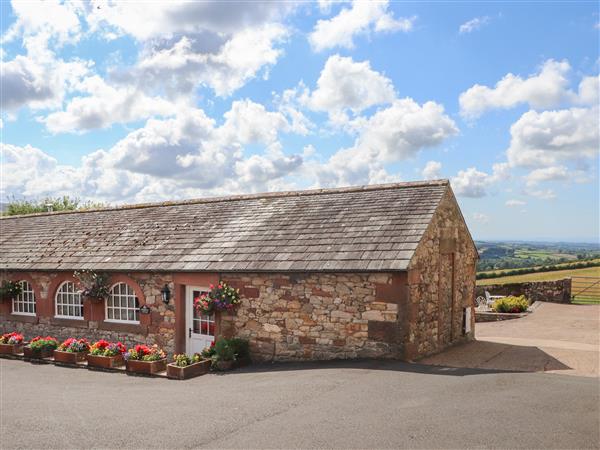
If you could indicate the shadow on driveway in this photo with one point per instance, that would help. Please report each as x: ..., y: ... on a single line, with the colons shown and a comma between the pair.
x: 457, y: 361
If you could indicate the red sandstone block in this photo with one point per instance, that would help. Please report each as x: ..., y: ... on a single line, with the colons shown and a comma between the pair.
x: 251, y: 292
x: 321, y: 293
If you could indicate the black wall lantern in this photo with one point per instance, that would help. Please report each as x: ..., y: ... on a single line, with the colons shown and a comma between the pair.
x: 166, y: 294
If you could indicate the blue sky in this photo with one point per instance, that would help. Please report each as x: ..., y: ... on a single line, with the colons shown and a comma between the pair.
x: 133, y: 102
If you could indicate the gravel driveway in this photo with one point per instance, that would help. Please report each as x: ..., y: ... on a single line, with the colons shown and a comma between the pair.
x: 358, y: 404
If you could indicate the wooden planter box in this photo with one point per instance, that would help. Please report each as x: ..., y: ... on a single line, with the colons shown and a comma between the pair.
x: 191, y: 371
x: 146, y: 367
x: 69, y: 357
x: 11, y: 349
x: 44, y: 352
x: 104, y: 362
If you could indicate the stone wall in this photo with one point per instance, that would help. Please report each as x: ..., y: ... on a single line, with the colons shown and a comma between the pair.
x: 441, y: 283
x: 158, y: 327
x: 558, y: 291
x: 317, y: 316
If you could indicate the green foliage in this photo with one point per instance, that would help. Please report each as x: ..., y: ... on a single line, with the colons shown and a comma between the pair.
x: 95, y: 285
x: 229, y: 349
x: 39, y: 343
x: 10, y: 289
x: 511, y: 304
x: 224, y: 351
x: 183, y: 360
x: 65, y: 203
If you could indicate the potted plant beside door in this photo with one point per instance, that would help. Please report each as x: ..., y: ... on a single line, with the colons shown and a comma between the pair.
x: 184, y: 366
x: 11, y: 343
x: 145, y: 360
x: 105, y: 355
x: 72, y: 351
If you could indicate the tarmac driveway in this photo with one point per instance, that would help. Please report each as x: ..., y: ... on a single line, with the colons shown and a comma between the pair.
x: 353, y: 404
x: 554, y: 338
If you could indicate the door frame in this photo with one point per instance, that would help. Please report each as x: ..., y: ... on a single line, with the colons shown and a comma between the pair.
x: 189, y: 314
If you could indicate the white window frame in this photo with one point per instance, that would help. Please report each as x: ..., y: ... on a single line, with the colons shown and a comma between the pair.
x: 121, y: 308
x: 74, y: 305
x: 20, y: 299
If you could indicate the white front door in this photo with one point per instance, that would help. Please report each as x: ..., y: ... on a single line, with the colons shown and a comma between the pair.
x: 200, y: 327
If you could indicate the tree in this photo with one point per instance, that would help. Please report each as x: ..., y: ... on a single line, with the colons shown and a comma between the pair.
x: 65, y: 203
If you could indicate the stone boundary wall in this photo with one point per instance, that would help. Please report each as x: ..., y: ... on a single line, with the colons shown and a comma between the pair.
x: 558, y: 291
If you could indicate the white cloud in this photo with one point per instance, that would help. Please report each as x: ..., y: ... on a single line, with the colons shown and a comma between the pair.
x: 361, y: 18
x: 546, y: 89
x: 553, y: 173
x: 547, y: 138
x: 471, y: 183
x: 473, y: 24
x: 588, y: 91
x: 51, y: 18
x: 104, y: 106
x: 480, y: 217
x: 185, y: 64
x: 432, y: 169
x: 149, y: 20
x: 186, y: 155
x: 514, y: 203
x: 345, y: 84
x: 38, y: 80
x: 543, y: 194
x: 390, y: 135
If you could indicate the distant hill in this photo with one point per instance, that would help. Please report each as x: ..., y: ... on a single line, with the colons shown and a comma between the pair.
x: 494, y: 255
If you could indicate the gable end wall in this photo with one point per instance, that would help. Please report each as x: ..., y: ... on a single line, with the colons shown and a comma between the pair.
x: 441, y: 282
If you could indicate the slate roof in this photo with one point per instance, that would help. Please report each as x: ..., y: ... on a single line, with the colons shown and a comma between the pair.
x: 368, y: 228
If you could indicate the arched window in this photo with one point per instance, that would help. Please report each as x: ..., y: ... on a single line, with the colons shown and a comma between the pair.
x: 68, y: 301
x: 122, y: 304
x: 24, y: 303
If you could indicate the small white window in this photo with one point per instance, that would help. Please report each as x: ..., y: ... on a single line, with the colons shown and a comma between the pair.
x: 69, y: 304
x: 122, y: 304
x: 24, y: 303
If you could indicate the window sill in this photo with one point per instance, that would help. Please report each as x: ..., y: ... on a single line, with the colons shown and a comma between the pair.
x: 69, y: 322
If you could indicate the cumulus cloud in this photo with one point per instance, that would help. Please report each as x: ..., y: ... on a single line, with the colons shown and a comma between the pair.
x: 38, y: 79
x: 181, y: 156
x: 473, y: 24
x: 149, y: 20
x: 104, y: 106
x: 181, y: 65
x: 471, y: 183
x: 389, y: 135
x: 361, y: 18
x: 348, y: 85
x: 546, y: 138
x: 514, y: 203
x: 546, y: 89
x: 432, y: 170
x: 51, y: 18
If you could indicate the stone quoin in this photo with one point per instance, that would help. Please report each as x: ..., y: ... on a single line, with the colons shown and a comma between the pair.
x: 385, y: 271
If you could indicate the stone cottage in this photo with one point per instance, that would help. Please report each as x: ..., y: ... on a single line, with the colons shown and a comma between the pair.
x: 376, y: 271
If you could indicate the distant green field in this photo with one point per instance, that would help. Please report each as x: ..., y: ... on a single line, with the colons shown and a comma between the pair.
x: 543, y: 276
x: 551, y: 276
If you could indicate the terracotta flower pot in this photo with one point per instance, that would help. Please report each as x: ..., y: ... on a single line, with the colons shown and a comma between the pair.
x: 104, y: 362
x: 69, y: 357
x: 193, y: 370
x: 146, y: 367
x: 44, y: 352
x: 11, y: 349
